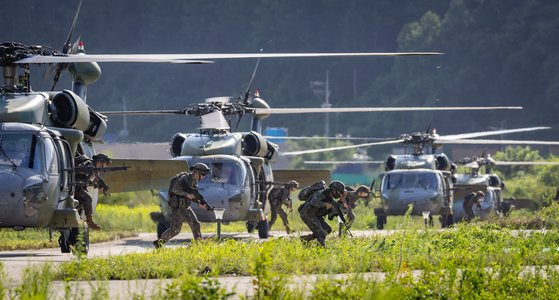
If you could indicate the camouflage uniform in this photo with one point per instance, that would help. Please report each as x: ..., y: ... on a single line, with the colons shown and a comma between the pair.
x: 350, y: 199
x: 469, y: 201
x: 180, y: 208
x: 277, y: 197
x: 85, y: 178
x: 313, y: 212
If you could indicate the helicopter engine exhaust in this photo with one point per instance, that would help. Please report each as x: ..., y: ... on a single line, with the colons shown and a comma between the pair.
x: 69, y: 110
x: 176, y: 144
x: 255, y: 144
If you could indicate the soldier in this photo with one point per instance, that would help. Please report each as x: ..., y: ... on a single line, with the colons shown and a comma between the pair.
x: 316, y: 208
x: 474, y: 198
x: 86, y: 175
x: 182, y: 191
x: 349, y: 200
x: 279, y: 196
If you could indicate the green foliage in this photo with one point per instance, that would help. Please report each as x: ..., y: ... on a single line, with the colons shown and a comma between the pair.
x: 297, y: 161
x: 545, y: 218
x: 35, y: 283
x: 518, y: 154
x: 132, y: 199
x: 465, y: 246
x: 120, y: 217
x: 190, y: 287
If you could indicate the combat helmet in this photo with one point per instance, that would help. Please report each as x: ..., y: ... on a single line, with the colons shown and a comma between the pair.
x: 337, y: 186
x: 480, y: 194
x: 102, y: 158
x: 363, y: 189
x: 293, y: 183
x: 201, y: 168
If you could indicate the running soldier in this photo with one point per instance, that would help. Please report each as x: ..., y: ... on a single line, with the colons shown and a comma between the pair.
x: 182, y: 191
x: 474, y: 198
x: 86, y: 176
x: 314, y: 210
x: 349, y: 201
x: 279, y: 196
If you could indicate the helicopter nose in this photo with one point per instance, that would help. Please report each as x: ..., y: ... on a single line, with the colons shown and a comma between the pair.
x: 10, y: 195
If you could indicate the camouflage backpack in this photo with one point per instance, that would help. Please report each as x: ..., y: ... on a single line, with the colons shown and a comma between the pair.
x: 307, y: 192
x: 174, y: 181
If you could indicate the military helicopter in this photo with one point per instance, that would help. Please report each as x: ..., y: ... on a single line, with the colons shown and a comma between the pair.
x: 42, y: 132
x: 245, y: 157
x: 424, y: 180
x: 491, y: 184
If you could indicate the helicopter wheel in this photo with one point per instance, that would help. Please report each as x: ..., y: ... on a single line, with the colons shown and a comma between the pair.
x: 162, y: 227
x: 251, y: 225
x: 77, y: 241
x: 63, y: 241
x: 381, y: 220
x: 263, y: 229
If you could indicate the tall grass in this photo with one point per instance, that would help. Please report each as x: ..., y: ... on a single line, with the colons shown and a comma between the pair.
x: 404, y: 250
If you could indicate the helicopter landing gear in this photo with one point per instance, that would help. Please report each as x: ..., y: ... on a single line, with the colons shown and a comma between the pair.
x: 381, y: 218
x: 74, y: 239
x: 263, y: 229
x: 251, y: 225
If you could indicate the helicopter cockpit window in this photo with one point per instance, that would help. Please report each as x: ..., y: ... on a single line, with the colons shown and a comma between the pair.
x: 225, y: 172
x: 51, y: 157
x: 426, y: 181
x: 19, y: 148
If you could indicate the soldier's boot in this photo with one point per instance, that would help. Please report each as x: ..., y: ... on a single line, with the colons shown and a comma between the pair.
x: 288, y: 230
x: 197, y: 235
x: 308, y: 237
x: 92, y: 225
x: 321, y: 241
x: 158, y: 243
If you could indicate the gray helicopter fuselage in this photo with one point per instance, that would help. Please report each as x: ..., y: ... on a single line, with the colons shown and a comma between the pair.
x: 419, y: 180
x: 468, y: 183
x: 423, y: 188
x: 36, y: 192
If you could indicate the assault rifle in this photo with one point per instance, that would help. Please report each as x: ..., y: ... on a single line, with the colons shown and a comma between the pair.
x: 337, y: 211
x: 200, y: 199
x: 98, y: 183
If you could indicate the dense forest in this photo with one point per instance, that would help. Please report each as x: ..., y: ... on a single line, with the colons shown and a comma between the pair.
x: 497, y: 52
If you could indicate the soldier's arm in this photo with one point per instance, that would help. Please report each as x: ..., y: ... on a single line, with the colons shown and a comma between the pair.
x: 181, y: 187
x: 316, y: 201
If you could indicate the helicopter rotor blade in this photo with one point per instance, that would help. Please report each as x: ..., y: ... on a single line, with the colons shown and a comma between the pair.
x: 340, y: 162
x: 66, y: 48
x: 326, y: 138
x: 526, y: 163
x: 293, y: 153
x: 144, y: 112
x: 101, y: 58
x: 276, y: 111
x: 489, y: 133
x: 495, y: 142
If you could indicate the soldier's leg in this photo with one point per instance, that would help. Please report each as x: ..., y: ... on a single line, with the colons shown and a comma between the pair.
x: 319, y: 230
x: 469, y: 213
x: 193, y: 222
x: 350, y: 217
x: 325, y: 226
x: 274, y: 216
x: 306, y: 219
x: 283, y: 216
x: 86, y: 202
x: 175, y: 227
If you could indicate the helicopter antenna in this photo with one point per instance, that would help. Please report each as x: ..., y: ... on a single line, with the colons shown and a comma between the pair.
x: 68, y: 46
x: 244, y: 100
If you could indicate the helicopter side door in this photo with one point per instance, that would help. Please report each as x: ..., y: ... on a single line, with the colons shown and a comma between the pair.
x: 52, y: 171
x: 66, y: 164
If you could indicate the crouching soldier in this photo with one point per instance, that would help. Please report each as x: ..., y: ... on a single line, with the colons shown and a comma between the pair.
x: 279, y: 196
x: 182, y: 191
x: 349, y: 201
x: 87, y: 175
x: 474, y: 198
x: 316, y: 208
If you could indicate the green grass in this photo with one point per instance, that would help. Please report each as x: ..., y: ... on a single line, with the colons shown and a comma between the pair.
x: 404, y: 250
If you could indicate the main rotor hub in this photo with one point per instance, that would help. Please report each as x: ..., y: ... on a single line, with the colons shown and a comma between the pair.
x: 11, y: 52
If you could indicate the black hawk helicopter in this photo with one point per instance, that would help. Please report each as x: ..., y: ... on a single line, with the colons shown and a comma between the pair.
x: 424, y: 180
x: 42, y: 132
x: 244, y: 157
x: 488, y: 182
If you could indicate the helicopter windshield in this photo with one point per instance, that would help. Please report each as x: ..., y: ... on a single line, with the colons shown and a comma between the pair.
x: 21, y: 149
x: 408, y: 180
x: 225, y: 172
